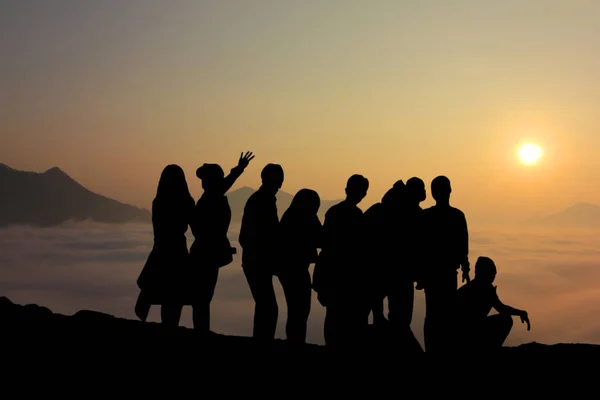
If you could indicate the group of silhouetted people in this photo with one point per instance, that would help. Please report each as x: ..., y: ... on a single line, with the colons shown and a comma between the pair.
x: 388, y: 251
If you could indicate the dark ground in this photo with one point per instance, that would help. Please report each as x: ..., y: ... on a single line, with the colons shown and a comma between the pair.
x: 90, y: 341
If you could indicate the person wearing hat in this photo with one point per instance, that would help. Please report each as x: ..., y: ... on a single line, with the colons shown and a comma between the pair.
x: 211, y: 249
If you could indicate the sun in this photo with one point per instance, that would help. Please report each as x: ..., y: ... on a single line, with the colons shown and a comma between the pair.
x: 530, y: 153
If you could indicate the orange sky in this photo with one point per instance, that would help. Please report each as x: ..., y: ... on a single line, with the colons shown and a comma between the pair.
x: 112, y: 92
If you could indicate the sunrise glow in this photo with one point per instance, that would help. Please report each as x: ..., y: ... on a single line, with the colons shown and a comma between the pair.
x: 530, y: 153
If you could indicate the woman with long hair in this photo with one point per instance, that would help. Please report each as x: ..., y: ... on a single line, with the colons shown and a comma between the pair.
x: 163, y: 278
x: 211, y: 249
x: 300, y: 230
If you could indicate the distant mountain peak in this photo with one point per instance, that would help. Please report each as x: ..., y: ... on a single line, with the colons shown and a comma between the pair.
x: 53, y: 197
x: 245, y: 189
x: 4, y: 166
x: 578, y: 214
x: 583, y: 205
x: 55, y: 170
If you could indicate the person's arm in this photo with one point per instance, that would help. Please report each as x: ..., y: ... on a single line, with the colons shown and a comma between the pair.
x: 318, y: 233
x: 464, y: 247
x: 195, y: 223
x: 236, y: 171
x: 247, y: 237
x: 508, y: 310
x: 320, y: 274
x: 326, y: 232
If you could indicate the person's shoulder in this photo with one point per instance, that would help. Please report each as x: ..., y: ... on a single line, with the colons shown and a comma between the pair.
x: 334, y: 209
x: 428, y: 212
x: 458, y: 212
x: 314, y: 221
x: 252, y: 198
x: 465, y: 288
x: 373, y: 209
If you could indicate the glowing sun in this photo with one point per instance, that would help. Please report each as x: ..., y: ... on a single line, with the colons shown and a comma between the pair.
x: 530, y: 153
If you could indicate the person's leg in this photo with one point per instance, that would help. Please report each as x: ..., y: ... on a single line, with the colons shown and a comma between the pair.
x: 207, y: 282
x: 430, y: 328
x: 401, y: 302
x: 290, y: 290
x: 448, y: 320
x: 298, y: 293
x: 331, y: 323
x: 352, y: 319
x: 170, y: 314
x: 497, y: 328
x: 265, y: 302
x: 376, y: 307
x: 142, y: 306
x: 440, y: 294
x: 305, y: 303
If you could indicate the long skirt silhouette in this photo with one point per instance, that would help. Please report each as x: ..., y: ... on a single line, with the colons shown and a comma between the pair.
x: 164, y: 281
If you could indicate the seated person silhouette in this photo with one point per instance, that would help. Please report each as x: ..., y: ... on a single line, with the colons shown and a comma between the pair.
x: 474, y: 301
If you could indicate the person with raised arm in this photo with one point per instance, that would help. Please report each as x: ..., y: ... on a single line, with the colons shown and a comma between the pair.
x: 211, y: 249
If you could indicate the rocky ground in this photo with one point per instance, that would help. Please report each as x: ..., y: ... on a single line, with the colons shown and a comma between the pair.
x: 33, y: 334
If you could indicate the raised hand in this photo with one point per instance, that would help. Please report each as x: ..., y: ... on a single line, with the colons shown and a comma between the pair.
x: 245, y: 159
x: 465, y: 276
x: 525, y: 319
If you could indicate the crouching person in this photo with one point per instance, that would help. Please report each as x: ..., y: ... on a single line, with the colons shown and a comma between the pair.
x: 478, y: 330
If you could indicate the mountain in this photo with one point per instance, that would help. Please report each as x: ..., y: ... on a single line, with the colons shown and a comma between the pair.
x: 584, y: 215
x: 237, y: 200
x: 53, y: 197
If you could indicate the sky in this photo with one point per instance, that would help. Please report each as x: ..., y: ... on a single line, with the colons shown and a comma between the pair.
x: 112, y: 91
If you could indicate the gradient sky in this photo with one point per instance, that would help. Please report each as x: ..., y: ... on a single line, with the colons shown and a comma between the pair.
x: 111, y: 91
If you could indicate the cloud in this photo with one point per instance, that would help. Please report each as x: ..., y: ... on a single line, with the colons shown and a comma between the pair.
x: 553, y: 275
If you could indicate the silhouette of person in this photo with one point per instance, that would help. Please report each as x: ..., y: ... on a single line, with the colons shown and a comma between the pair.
x: 381, y: 226
x: 337, y: 278
x: 163, y: 277
x: 211, y: 249
x: 259, y: 236
x: 476, y: 329
x: 401, y: 298
x: 300, y: 233
x: 446, y: 250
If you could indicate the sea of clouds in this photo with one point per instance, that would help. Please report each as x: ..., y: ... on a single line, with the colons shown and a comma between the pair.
x: 554, y: 275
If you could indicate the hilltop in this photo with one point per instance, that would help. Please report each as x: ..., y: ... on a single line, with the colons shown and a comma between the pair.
x: 26, y: 322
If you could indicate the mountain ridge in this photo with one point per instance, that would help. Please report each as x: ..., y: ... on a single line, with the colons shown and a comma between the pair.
x: 53, y: 197
x: 580, y: 214
x: 44, y: 199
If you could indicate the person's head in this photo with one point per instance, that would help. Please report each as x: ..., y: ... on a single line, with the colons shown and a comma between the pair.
x: 211, y: 175
x: 272, y: 177
x: 305, y: 202
x: 441, y: 189
x: 415, y: 188
x: 172, y: 184
x: 356, y: 188
x: 395, y: 195
x: 485, y: 270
